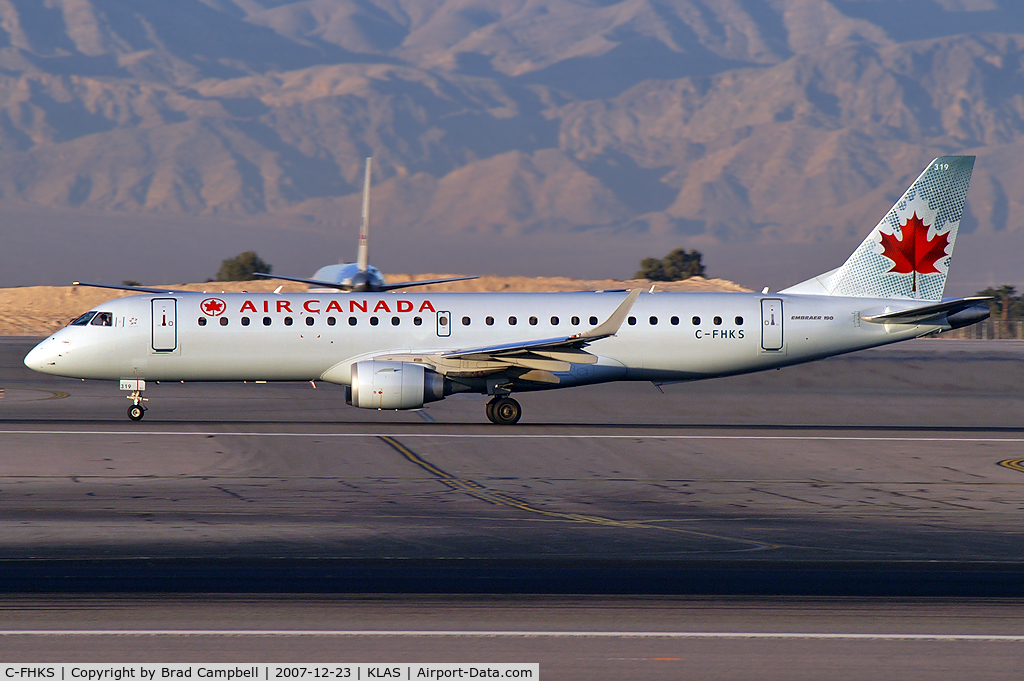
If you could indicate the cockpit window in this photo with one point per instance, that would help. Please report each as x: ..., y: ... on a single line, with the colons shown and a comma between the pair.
x: 84, y: 319
x: 103, y: 319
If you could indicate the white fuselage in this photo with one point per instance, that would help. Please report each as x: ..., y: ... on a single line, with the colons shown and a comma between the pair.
x: 319, y: 336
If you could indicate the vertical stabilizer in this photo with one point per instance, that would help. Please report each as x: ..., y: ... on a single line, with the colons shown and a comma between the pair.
x: 362, y: 257
x: 907, y: 254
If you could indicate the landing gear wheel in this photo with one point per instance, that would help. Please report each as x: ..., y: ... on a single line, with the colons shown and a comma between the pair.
x: 504, y: 411
x: 136, y: 412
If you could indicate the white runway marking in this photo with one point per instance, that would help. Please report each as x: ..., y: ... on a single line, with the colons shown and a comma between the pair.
x: 811, y: 636
x: 501, y: 436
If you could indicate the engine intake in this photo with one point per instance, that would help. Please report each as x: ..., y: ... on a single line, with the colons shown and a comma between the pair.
x: 393, y: 385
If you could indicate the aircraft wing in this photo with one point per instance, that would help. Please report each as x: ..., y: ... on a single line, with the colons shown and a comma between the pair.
x: 347, y: 287
x: 425, y: 282
x: 311, y: 282
x: 920, y: 314
x: 124, y: 287
x: 534, y: 360
x: 564, y: 348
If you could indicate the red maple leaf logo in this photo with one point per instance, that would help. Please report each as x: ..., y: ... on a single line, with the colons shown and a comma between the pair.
x: 914, y: 253
x: 213, y: 307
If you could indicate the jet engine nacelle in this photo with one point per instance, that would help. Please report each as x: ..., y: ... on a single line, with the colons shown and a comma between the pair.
x: 393, y: 385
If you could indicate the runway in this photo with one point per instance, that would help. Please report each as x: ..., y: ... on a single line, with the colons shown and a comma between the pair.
x: 894, y: 473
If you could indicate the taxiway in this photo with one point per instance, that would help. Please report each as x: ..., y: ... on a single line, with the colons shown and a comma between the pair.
x: 896, y: 472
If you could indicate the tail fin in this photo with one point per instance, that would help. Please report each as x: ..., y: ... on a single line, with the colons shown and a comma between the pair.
x: 907, y: 254
x: 363, y: 255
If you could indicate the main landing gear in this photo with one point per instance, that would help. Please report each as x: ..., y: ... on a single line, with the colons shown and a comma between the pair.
x: 504, y: 411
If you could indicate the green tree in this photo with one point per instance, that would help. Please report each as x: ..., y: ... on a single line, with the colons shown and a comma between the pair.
x: 242, y: 266
x: 678, y: 265
x: 1005, y: 304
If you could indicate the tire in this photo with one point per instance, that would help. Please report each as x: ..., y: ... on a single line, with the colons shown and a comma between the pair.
x: 506, y: 411
x: 136, y: 412
x: 489, y: 408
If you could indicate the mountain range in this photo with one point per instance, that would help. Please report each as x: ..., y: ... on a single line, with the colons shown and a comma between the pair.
x: 151, y: 138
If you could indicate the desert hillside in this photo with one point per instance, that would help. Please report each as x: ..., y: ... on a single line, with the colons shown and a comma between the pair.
x: 649, y: 124
x: 41, y: 310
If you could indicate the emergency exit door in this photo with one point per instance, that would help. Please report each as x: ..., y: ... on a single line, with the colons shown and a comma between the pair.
x: 771, y: 324
x: 444, y: 324
x: 165, y: 329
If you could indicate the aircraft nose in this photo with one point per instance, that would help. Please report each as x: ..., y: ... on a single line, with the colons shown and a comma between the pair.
x: 43, y: 357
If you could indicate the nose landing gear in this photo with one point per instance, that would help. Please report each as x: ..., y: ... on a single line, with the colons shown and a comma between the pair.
x: 504, y: 411
x: 137, y: 410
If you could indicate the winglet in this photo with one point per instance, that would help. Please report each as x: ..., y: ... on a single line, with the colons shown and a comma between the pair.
x: 611, y: 325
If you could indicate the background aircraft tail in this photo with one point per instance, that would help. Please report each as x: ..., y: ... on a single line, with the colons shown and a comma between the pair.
x: 907, y: 254
x: 363, y: 254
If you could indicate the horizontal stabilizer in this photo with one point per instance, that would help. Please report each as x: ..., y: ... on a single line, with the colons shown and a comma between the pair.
x: 928, y: 312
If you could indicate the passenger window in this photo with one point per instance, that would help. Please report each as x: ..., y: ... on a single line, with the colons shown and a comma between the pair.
x: 202, y: 321
x: 373, y: 321
x: 331, y: 321
x: 512, y: 321
x: 395, y: 321
x: 310, y: 321
x: 739, y: 321
x: 288, y: 321
x: 554, y: 321
x: 575, y: 321
x: 718, y: 321
x: 103, y: 319
x: 84, y: 319
x: 267, y: 321
x: 675, y: 321
x: 533, y: 321
x: 593, y: 321
x: 696, y: 321
x: 352, y: 321
x: 465, y: 321
x: 654, y: 321
x: 489, y: 321
x: 245, y: 321
x: 417, y: 321
x: 223, y: 321
x: 632, y: 321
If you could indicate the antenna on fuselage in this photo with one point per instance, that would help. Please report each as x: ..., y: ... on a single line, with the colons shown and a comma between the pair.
x: 362, y: 257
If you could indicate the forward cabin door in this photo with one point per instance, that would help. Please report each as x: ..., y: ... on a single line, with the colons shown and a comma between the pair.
x: 165, y: 329
x: 771, y: 324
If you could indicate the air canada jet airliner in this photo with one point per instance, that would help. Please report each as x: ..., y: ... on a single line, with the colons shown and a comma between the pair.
x: 403, y: 350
